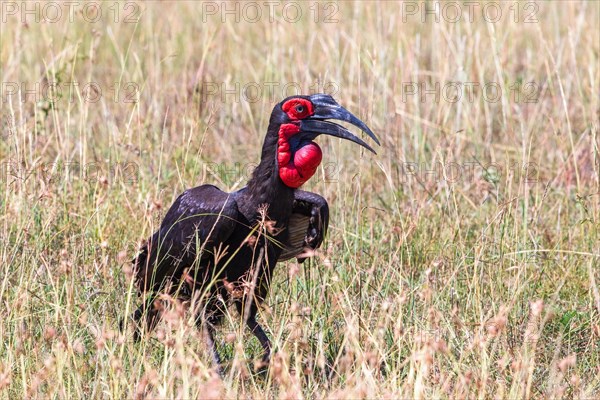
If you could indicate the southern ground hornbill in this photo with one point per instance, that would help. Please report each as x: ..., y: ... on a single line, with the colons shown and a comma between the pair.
x: 214, y: 246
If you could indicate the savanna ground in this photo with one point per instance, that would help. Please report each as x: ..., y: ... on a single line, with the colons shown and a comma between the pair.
x: 462, y: 260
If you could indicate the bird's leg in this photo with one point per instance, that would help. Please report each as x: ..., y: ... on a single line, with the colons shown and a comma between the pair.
x: 209, y: 331
x: 257, y: 331
x: 260, y: 334
x: 206, y: 318
x: 248, y: 307
x: 151, y: 314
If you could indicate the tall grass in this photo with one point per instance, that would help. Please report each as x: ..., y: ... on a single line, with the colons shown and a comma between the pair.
x: 462, y: 260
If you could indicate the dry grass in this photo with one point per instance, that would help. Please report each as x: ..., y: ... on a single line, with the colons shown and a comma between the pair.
x: 457, y: 282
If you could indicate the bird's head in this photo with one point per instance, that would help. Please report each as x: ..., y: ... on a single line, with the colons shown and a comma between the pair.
x: 300, y: 119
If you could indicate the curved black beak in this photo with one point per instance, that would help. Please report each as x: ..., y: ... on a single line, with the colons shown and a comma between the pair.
x: 327, y: 108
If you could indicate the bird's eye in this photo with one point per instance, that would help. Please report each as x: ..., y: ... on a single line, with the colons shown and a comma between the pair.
x: 300, y: 108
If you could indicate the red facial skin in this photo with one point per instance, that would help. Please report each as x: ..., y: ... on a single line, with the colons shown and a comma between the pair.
x: 294, y: 172
x: 298, y: 108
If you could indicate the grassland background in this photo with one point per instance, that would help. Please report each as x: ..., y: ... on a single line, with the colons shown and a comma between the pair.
x: 427, y: 286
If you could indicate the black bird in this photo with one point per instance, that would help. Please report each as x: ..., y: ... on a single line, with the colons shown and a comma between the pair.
x: 219, y: 246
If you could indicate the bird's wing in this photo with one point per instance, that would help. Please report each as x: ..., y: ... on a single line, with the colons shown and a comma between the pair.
x: 198, y: 220
x: 307, y: 226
